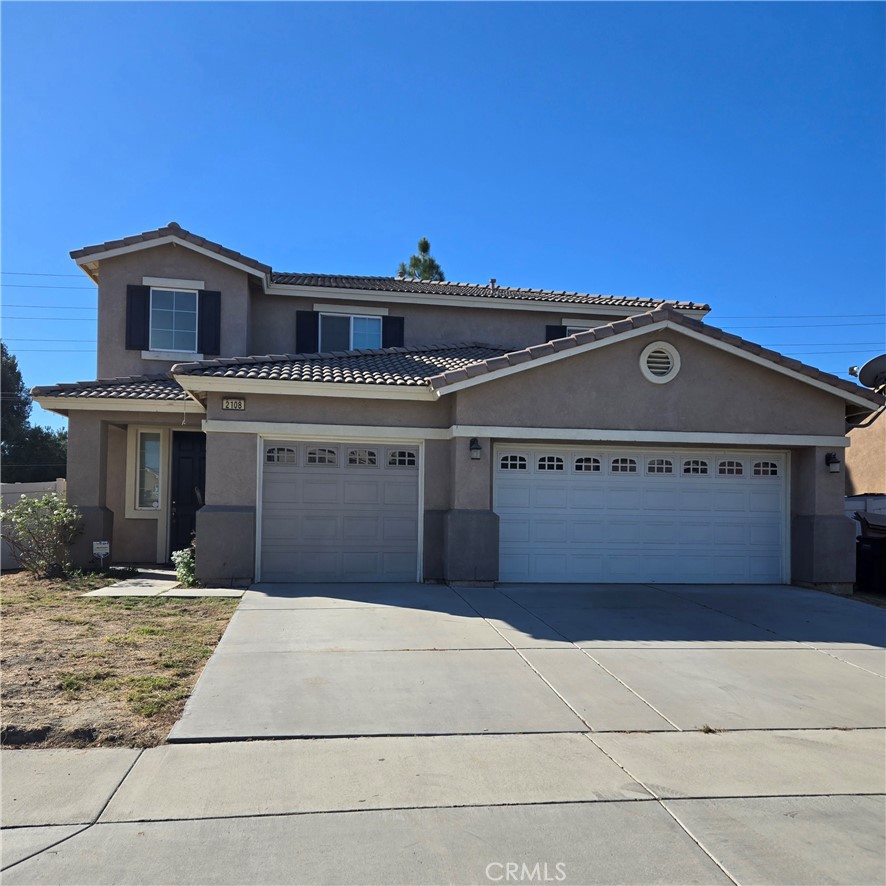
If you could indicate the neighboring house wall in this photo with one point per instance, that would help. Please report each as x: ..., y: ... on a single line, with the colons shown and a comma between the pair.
x: 866, y: 459
x: 11, y: 493
x: 170, y: 262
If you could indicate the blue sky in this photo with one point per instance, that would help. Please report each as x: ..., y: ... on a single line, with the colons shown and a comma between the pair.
x: 726, y: 153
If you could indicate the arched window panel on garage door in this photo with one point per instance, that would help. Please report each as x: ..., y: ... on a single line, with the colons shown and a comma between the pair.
x: 512, y: 463
x: 284, y: 455
x: 587, y: 464
x: 402, y: 458
x: 321, y: 455
x: 363, y: 458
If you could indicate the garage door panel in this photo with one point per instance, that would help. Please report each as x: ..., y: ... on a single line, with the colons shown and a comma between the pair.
x: 636, y: 527
x: 320, y: 492
x: 550, y: 497
x: 550, y: 531
x: 363, y: 493
x: 348, y: 520
x: 401, y: 493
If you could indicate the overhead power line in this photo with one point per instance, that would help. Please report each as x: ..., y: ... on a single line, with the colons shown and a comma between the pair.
x: 36, y: 274
x: 43, y: 286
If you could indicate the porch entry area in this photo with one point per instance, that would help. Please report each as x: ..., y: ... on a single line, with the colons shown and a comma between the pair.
x: 187, y: 485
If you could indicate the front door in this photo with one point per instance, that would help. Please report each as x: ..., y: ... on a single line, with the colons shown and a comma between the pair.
x: 187, y: 485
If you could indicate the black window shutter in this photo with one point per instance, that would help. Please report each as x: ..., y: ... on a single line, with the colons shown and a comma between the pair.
x: 552, y: 332
x: 392, y: 332
x: 138, y: 318
x: 307, y: 332
x: 209, y: 323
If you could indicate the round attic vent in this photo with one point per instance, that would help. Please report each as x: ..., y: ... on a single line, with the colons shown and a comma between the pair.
x: 659, y: 362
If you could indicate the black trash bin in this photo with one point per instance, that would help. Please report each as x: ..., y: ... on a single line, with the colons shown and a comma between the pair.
x: 870, y: 565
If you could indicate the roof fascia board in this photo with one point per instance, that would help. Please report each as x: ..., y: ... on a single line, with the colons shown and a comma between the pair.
x: 193, y: 383
x: 165, y: 241
x: 657, y: 327
x: 462, y: 301
x: 118, y: 404
x: 607, y: 435
x: 551, y: 358
x: 369, y: 433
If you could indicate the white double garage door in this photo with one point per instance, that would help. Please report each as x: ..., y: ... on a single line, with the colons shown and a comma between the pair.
x: 600, y: 514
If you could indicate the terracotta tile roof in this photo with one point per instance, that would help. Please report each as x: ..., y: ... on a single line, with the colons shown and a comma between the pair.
x: 383, y: 366
x: 133, y: 387
x: 173, y: 229
x: 599, y: 333
x: 388, y: 284
x: 476, y: 290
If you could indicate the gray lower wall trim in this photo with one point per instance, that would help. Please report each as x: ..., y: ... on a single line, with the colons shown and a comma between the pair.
x: 433, y: 553
x: 471, y: 546
x: 822, y: 549
x: 226, y: 545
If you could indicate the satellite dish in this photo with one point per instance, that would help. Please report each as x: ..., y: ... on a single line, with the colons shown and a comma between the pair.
x: 873, y: 373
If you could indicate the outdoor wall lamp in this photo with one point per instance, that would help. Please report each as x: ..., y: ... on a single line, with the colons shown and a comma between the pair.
x: 832, y: 462
x: 476, y: 448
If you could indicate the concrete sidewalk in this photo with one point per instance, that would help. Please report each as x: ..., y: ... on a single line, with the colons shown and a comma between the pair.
x: 757, y: 807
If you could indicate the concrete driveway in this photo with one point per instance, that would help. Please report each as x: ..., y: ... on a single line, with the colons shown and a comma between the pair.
x: 592, y: 734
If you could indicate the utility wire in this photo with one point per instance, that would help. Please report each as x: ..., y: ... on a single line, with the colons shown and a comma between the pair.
x: 65, y: 307
x: 36, y: 274
x: 43, y: 286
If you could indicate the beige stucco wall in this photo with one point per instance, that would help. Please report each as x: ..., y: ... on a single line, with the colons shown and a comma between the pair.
x: 173, y: 262
x: 866, y: 459
x: 273, y: 322
x: 333, y: 410
x: 604, y: 388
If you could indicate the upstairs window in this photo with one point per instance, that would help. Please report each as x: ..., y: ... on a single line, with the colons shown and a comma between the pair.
x: 343, y: 332
x: 173, y: 320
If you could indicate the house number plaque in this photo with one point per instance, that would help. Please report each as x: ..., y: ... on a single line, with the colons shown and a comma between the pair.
x: 236, y: 403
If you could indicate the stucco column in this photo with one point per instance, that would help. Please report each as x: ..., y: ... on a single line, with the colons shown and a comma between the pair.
x: 87, y: 477
x: 822, y: 536
x: 471, y: 527
x: 226, y: 522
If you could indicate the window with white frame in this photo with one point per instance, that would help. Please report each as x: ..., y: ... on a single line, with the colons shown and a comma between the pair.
x: 362, y: 457
x: 765, y: 469
x: 587, y: 464
x: 320, y: 456
x: 344, y: 332
x: 173, y: 320
x: 730, y: 468
x: 695, y: 466
x: 281, y: 455
x: 659, y: 466
x: 551, y: 463
x: 624, y: 466
x: 148, y: 471
x: 513, y: 463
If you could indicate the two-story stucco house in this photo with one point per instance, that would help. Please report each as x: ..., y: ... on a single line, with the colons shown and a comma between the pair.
x: 330, y: 428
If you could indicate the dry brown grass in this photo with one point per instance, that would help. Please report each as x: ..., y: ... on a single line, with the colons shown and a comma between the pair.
x: 92, y: 671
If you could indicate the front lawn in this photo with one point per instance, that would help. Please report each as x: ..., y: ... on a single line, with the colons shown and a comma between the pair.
x: 98, y: 671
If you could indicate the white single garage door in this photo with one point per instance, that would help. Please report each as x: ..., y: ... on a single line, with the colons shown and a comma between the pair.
x: 596, y: 514
x: 339, y: 512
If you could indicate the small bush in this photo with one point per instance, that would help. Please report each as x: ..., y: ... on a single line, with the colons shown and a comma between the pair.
x: 185, y: 567
x: 41, y: 531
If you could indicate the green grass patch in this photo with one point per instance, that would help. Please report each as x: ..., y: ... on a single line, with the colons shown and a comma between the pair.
x: 75, y: 682
x: 148, y: 696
